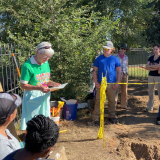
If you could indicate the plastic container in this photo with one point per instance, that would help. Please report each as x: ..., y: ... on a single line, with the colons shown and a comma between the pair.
x: 54, y: 104
x: 56, y: 120
x: 71, y: 101
x: 70, y: 110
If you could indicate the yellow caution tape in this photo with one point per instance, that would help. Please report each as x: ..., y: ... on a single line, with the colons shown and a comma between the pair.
x: 136, y: 83
x: 20, y: 142
x: 102, y: 100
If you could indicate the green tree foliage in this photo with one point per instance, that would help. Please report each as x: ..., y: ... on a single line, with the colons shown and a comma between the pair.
x: 131, y: 16
x: 131, y: 23
x: 76, y: 33
x: 152, y: 33
x: 77, y: 30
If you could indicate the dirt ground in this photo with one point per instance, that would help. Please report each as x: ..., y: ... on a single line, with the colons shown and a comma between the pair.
x: 136, y: 137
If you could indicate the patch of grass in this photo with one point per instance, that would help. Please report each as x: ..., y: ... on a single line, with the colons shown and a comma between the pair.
x: 17, y: 126
x: 137, y: 72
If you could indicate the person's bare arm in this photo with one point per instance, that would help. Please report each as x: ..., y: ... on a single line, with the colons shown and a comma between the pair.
x: 118, y: 69
x: 31, y: 87
x: 95, y: 69
x: 152, y: 67
x: 54, y: 84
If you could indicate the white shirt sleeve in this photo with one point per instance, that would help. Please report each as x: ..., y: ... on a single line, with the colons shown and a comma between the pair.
x: 23, y: 82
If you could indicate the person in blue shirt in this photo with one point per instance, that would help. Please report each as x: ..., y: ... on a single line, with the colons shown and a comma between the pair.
x: 42, y: 134
x: 109, y: 65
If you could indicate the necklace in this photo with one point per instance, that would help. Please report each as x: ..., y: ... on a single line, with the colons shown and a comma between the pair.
x: 156, y: 57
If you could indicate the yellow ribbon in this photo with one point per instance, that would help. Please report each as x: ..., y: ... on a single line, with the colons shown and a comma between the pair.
x: 63, y: 131
x: 20, y: 142
x: 102, y: 100
x: 137, y: 83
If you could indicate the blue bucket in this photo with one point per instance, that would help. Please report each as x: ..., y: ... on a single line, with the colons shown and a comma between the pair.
x: 70, y: 112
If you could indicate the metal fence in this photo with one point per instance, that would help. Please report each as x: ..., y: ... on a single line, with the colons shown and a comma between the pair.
x: 8, y: 74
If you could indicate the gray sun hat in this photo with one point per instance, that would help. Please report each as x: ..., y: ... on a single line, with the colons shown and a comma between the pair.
x: 8, y: 104
x: 108, y: 45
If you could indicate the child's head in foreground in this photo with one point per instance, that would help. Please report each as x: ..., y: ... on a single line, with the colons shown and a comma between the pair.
x: 42, y: 134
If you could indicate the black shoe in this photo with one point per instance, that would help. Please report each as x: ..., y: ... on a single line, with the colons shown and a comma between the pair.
x: 113, y: 120
x: 158, y: 121
x: 118, y: 102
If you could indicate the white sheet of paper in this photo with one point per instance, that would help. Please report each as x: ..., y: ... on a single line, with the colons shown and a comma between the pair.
x: 59, y: 87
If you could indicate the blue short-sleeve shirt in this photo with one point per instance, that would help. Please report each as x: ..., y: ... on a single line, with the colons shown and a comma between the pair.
x: 108, y: 64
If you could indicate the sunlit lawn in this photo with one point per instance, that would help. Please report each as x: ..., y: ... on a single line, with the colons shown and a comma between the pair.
x: 137, y: 72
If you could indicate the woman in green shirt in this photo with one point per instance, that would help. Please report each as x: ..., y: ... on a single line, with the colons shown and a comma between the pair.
x: 35, y: 79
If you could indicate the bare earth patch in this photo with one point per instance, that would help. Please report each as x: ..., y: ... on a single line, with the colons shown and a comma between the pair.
x: 136, y: 137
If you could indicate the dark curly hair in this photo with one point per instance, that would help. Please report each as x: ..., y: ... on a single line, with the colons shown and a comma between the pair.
x: 42, y: 133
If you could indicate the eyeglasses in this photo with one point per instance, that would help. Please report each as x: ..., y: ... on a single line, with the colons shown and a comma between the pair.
x: 123, y: 49
x: 44, y: 56
x: 106, y: 49
x: 46, y: 47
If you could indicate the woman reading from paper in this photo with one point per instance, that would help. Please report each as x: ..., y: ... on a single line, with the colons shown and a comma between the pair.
x: 35, y: 79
